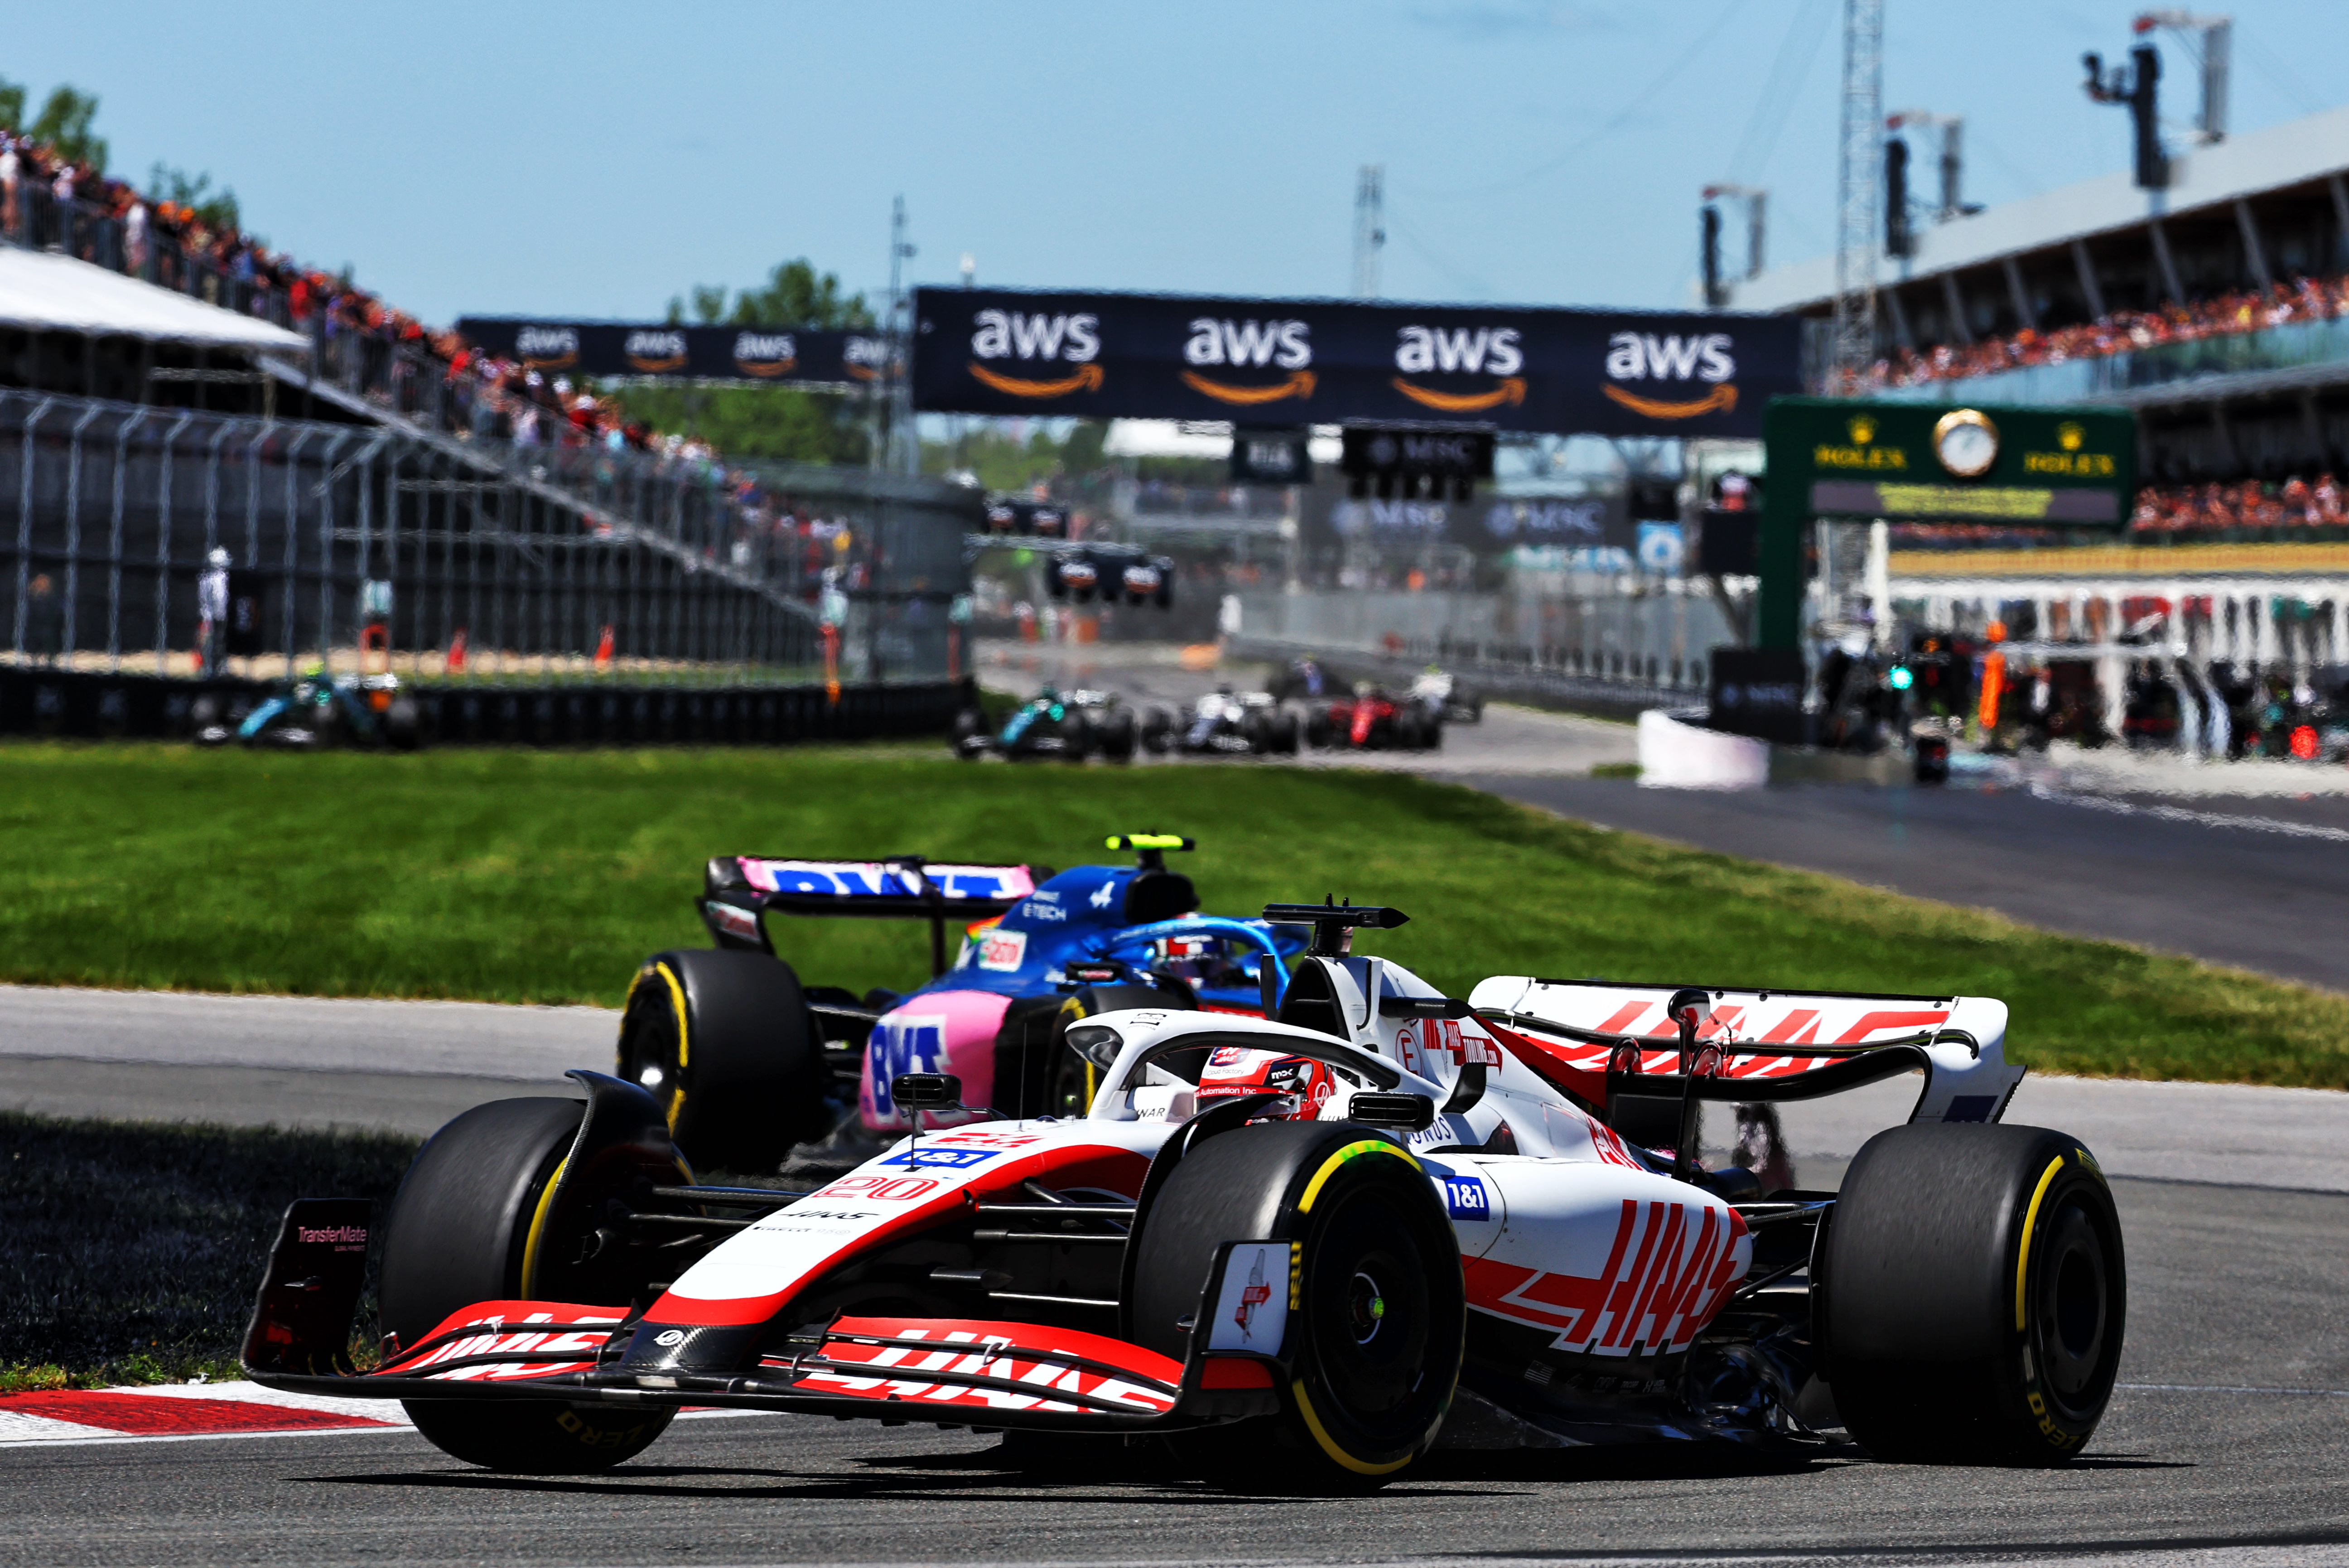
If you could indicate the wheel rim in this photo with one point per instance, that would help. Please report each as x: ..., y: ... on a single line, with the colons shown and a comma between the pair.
x: 2074, y: 1316
x: 1369, y: 1305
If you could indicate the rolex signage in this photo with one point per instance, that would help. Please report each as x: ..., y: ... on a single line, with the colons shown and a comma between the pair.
x: 1943, y: 462
x: 1307, y: 362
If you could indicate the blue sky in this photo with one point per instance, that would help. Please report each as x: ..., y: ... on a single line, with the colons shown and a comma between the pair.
x: 593, y: 160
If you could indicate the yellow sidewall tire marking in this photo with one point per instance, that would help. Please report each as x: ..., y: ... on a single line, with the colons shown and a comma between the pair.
x: 2023, y: 1253
x: 537, y: 1226
x: 1351, y: 1151
x: 677, y: 997
x: 1330, y: 1444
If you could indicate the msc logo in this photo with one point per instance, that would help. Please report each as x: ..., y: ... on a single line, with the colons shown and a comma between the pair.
x: 1250, y: 344
x: 1550, y: 522
x: 1456, y: 351
x: 1016, y: 334
x: 1644, y: 356
x: 766, y: 353
x: 655, y: 352
x: 548, y: 348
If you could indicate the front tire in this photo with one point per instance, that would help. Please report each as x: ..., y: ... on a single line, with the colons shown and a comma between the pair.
x: 1374, y: 1347
x: 722, y: 1041
x: 1975, y: 1295
x: 461, y: 1230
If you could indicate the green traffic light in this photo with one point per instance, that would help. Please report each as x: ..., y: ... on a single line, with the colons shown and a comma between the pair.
x: 1902, y: 678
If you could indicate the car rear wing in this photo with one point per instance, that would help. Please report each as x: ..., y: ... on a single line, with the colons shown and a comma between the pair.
x: 739, y: 888
x: 1773, y: 1044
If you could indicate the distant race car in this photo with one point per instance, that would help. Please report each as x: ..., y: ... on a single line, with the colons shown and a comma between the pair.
x: 1374, y: 719
x: 749, y: 1063
x: 1301, y: 1249
x: 1070, y: 727
x: 310, y: 711
x: 1445, y: 695
x: 1223, y: 723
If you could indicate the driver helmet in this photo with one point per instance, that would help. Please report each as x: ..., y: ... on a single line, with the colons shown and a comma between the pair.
x: 216, y: 558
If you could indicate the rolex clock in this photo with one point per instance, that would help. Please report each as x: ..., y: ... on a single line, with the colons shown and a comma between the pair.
x: 1966, y: 442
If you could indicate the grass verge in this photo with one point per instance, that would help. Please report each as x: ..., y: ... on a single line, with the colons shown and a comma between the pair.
x: 545, y: 876
x: 131, y: 1251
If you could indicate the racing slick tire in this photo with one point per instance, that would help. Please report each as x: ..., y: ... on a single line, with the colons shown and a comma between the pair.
x: 1284, y: 734
x: 459, y: 1231
x: 1320, y: 733
x: 1158, y: 732
x: 970, y: 737
x: 1256, y: 731
x: 1375, y: 1343
x: 722, y: 1040
x: 1054, y: 1080
x: 1974, y: 1293
x: 1119, y: 738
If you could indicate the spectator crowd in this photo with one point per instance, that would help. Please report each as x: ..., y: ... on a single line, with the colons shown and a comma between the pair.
x: 2118, y: 332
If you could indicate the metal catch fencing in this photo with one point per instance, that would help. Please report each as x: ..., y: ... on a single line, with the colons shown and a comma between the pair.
x: 1640, y: 636
x: 370, y: 546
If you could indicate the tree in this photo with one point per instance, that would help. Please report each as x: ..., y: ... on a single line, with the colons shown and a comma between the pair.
x: 777, y: 422
x: 215, y: 209
x: 64, y: 124
x: 12, y: 103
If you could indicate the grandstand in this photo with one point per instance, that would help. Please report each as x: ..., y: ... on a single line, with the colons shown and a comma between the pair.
x: 2213, y: 306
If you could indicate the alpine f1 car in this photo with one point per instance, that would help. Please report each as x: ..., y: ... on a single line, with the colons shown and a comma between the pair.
x: 749, y: 1064
x: 1072, y: 727
x: 1442, y: 693
x: 1303, y: 1249
x: 1226, y: 723
x: 1375, y: 719
x: 311, y: 712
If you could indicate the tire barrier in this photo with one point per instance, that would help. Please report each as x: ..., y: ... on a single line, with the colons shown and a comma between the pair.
x: 91, y: 705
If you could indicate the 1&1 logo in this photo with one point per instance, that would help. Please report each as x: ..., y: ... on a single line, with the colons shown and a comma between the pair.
x: 915, y: 1044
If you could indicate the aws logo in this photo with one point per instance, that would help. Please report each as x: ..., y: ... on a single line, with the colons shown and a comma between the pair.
x: 548, y: 348
x: 654, y: 352
x: 1073, y: 340
x: 866, y: 358
x: 1250, y: 344
x: 1645, y: 356
x: 766, y: 353
x: 1461, y: 351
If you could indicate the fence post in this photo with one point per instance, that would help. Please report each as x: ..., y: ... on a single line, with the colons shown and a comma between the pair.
x: 69, y: 630
x: 325, y: 547
x: 114, y: 544
x: 293, y: 538
x: 25, y: 524
x: 163, y: 541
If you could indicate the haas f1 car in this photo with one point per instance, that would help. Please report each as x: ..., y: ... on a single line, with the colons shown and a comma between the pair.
x: 1302, y: 1248
x: 747, y: 1063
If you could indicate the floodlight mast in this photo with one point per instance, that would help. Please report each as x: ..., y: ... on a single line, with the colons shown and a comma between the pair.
x: 1851, y: 346
x: 1757, y: 205
x: 2213, y: 50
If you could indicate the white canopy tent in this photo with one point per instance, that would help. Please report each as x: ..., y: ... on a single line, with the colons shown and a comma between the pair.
x: 41, y: 292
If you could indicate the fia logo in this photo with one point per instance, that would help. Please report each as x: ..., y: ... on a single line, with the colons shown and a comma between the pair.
x: 1283, y: 343
x: 1016, y: 334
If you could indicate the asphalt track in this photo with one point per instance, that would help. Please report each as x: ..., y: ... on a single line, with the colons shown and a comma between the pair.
x: 2234, y: 1294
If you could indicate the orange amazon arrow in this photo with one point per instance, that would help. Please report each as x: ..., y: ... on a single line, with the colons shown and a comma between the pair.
x: 1299, y: 385
x: 1511, y: 390
x: 1088, y: 378
x: 1724, y: 398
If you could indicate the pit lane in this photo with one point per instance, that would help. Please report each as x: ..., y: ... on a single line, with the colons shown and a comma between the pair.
x: 2235, y: 1293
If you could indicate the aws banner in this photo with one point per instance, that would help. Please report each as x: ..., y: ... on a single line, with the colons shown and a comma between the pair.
x: 1118, y: 355
x: 781, y: 355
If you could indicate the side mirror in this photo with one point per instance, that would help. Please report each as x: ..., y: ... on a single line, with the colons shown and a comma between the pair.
x: 926, y: 1090
x: 1096, y: 1043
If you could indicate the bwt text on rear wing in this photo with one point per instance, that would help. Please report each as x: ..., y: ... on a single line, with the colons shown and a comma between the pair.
x: 739, y: 888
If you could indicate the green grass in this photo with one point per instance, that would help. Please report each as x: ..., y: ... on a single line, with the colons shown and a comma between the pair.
x: 131, y: 1251
x: 544, y: 877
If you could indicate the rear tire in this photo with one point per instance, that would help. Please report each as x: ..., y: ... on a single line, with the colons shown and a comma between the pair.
x: 1377, y: 1339
x: 460, y: 1231
x: 1941, y: 1239
x: 1284, y: 734
x: 722, y: 1040
x: 1119, y: 738
x: 1158, y: 732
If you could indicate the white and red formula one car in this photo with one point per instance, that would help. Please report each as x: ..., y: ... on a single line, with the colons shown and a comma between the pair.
x: 1379, y: 1222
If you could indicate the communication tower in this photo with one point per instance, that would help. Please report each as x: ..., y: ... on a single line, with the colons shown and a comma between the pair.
x: 1851, y: 343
